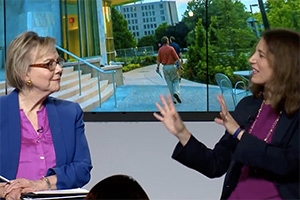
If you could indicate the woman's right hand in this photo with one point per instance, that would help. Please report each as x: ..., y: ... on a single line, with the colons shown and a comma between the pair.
x: 2, y: 190
x: 171, y: 119
x: 11, y: 194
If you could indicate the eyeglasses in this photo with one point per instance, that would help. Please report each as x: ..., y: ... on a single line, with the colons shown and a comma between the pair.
x: 51, y: 65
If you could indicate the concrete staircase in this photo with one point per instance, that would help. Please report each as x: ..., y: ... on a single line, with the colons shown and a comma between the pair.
x: 89, y: 98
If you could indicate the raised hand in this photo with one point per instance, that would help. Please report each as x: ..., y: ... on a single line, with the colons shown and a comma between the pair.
x: 225, y: 117
x: 171, y: 119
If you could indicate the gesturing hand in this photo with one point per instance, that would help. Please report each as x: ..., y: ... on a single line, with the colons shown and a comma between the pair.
x: 171, y: 119
x: 225, y: 117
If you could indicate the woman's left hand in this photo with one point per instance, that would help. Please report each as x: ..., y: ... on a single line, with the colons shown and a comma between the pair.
x: 225, y: 117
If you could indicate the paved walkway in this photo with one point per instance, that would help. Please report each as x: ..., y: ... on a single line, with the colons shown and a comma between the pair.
x: 143, y: 86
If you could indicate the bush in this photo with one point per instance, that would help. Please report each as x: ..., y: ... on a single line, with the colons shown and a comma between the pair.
x: 130, y: 67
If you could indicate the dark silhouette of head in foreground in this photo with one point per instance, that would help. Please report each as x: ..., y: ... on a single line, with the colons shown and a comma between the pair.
x: 117, y: 187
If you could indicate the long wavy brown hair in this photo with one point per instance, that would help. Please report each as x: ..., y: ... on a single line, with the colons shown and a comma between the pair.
x: 283, y: 55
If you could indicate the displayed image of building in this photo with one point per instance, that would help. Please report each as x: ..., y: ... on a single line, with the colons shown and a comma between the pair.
x: 82, y: 27
x: 84, y: 38
x: 144, y: 18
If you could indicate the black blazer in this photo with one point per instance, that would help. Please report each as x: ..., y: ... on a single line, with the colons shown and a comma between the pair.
x: 278, y: 161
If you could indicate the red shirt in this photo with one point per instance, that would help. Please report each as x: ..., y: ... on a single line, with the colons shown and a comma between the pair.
x: 167, y: 55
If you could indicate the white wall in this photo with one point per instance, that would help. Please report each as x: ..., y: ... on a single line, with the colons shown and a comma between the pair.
x: 143, y: 150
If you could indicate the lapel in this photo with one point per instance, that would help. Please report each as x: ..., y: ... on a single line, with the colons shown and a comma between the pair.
x: 11, y: 135
x: 281, y: 129
x: 252, y: 110
x: 55, y: 126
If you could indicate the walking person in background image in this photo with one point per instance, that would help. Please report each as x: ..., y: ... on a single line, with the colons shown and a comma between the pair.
x: 167, y: 57
x: 259, y: 152
x: 42, y: 139
x: 178, y: 51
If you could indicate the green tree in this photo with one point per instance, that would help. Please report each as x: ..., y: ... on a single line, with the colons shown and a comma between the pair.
x: 284, y: 14
x: 228, y: 42
x: 161, y: 31
x: 148, y: 40
x: 196, y: 60
x: 179, y: 31
x: 123, y: 38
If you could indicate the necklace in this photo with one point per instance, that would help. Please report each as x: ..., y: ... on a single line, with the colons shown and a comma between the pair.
x: 272, y: 127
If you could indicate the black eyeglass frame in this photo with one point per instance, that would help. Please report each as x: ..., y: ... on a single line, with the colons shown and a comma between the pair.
x: 49, y: 65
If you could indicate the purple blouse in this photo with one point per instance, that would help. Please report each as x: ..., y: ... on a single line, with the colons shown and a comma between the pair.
x: 250, y: 187
x: 37, y: 151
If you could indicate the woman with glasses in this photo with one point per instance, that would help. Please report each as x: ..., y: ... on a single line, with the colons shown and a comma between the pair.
x: 42, y: 140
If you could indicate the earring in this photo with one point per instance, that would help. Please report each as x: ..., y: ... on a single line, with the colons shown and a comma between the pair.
x: 29, y: 83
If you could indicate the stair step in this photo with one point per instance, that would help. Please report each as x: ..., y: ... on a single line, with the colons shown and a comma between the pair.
x: 92, y: 103
x: 68, y: 69
x: 90, y: 93
x: 74, y: 90
x: 70, y: 76
x: 64, y: 84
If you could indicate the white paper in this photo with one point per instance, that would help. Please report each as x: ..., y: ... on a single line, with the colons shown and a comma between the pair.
x: 67, y: 191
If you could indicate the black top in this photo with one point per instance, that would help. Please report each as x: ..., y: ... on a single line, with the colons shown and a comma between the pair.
x: 278, y: 161
x: 176, y: 47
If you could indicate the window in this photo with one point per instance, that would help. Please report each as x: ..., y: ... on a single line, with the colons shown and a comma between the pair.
x: 228, y: 21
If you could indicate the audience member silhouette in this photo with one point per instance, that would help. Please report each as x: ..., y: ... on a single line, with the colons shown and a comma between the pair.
x: 117, y: 187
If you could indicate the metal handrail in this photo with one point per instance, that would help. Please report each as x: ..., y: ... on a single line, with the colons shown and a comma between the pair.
x: 112, y: 72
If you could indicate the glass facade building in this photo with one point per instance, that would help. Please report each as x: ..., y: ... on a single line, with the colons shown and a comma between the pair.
x: 82, y: 27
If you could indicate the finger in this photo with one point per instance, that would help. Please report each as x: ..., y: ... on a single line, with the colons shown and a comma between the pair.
x: 159, y: 107
x: 27, y: 190
x: 158, y: 117
x: 13, y: 185
x: 223, y: 105
x: 221, y: 101
x: 9, y: 198
x: 3, y: 184
x: 219, y: 121
x: 164, y: 102
x: 170, y: 102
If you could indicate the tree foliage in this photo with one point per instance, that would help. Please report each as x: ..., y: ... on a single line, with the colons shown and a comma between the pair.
x: 148, y: 40
x: 161, y: 31
x: 228, y: 39
x: 179, y: 31
x: 123, y: 38
x: 283, y: 14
